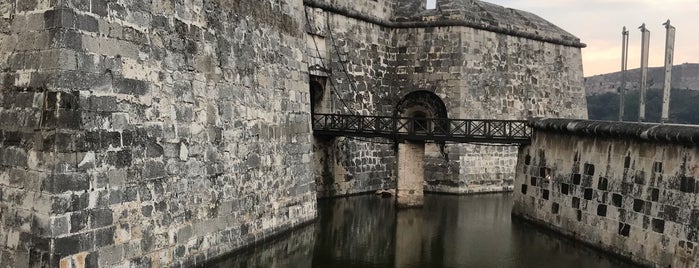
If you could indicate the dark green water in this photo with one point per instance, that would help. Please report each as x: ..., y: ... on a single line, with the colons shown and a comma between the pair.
x: 450, y: 231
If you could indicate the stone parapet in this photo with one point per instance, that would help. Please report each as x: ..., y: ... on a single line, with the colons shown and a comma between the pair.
x: 670, y: 133
x: 546, y: 33
x: 627, y: 188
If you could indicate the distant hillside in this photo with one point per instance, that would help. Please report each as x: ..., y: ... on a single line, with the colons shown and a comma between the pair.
x: 685, y: 76
x: 683, y: 108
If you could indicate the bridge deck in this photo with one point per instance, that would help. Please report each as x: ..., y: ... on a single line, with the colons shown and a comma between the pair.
x: 423, y: 129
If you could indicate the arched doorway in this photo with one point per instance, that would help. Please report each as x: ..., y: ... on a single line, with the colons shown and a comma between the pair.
x: 421, y: 101
x: 417, y: 107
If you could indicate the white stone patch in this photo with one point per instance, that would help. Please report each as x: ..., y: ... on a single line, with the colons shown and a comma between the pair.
x: 5, y: 178
x: 33, y: 161
x: 6, y: 9
x: 133, y: 69
x: 12, y: 239
x: 87, y: 159
x: 184, y: 152
x: 23, y: 79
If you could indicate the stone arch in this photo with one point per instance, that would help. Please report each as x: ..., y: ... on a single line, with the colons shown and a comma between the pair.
x: 421, y: 101
x: 422, y: 104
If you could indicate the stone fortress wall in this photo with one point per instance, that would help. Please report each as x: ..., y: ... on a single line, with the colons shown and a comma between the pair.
x: 151, y: 132
x: 481, y: 60
x: 28, y: 56
x: 356, y: 55
x: 627, y: 188
x: 172, y: 132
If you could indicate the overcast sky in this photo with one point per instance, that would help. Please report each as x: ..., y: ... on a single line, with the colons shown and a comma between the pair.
x: 598, y: 23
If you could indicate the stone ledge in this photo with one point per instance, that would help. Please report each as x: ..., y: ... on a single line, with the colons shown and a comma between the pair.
x: 672, y: 133
x: 414, y: 23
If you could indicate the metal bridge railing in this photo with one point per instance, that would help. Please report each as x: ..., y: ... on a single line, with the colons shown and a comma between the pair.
x: 423, y: 129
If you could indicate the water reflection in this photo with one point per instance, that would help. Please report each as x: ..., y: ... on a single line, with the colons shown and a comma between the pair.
x: 355, y: 232
x: 450, y: 231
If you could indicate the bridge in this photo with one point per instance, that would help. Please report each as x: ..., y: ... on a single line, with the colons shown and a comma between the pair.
x: 402, y: 129
x: 411, y: 134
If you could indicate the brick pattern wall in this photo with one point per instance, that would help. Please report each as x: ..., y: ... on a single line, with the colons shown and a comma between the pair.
x: 171, y: 132
x: 357, y: 53
x: 633, y: 198
x: 33, y: 124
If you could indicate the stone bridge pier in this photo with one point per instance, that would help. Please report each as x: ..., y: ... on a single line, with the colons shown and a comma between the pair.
x: 411, y: 174
x: 418, y: 105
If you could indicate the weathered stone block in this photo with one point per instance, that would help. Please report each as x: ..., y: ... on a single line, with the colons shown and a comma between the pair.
x: 131, y: 87
x: 60, y: 183
x: 78, y: 221
x: 144, y: 193
x: 73, y: 244
x: 28, y: 5
x: 687, y: 184
x: 587, y: 193
x: 60, y: 204
x: 617, y: 200
x: 100, y: 217
x: 59, y: 18
x: 62, y: 119
x: 104, y: 237
x: 79, y: 201
x: 109, y: 139
x: 153, y: 170
x: 116, y: 195
x: 120, y: 121
x: 638, y: 205
x: 82, y: 5
x: 14, y: 138
x: 101, y: 103
x: 119, y: 159
x: 99, y: 8
x: 14, y: 157
x: 111, y: 255
x: 130, y: 194
x: 87, y: 23
x: 60, y: 226
x: 183, y: 234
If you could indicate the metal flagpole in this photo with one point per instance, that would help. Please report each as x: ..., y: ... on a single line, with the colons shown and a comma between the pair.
x: 669, y: 53
x: 645, y: 42
x: 624, y: 66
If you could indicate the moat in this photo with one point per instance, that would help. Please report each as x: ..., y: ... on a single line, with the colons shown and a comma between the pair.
x: 450, y: 231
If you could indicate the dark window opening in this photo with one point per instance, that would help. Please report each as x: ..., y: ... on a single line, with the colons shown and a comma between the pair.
x: 316, y: 95
x: 420, y: 122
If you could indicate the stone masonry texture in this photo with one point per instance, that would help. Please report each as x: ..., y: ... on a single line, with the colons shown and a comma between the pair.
x: 150, y: 133
x: 628, y: 188
x: 169, y: 132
